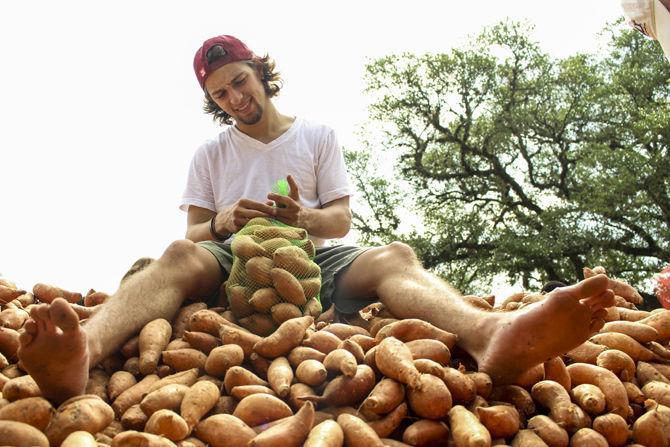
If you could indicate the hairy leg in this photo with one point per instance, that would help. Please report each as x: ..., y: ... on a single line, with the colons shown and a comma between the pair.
x: 157, y: 292
x: 504, y: 344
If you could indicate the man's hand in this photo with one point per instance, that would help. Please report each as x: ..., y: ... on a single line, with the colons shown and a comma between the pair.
x: 233, y: 218
x: 289, y: 210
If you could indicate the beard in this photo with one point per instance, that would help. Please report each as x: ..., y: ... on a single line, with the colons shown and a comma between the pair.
x: 253, y: 117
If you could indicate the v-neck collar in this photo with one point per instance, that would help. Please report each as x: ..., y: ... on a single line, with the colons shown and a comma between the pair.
x: 259, y: 145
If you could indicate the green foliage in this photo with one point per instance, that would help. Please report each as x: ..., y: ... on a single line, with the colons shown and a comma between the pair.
x: 509, y: 161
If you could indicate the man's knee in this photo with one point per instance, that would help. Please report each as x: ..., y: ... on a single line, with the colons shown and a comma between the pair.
x: 399, y: 252
x: 182, y: 254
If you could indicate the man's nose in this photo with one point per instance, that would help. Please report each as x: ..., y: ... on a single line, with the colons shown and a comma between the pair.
x: 235, y: 96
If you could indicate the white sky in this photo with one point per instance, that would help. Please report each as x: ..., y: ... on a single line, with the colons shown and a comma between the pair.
x: 100, y: 111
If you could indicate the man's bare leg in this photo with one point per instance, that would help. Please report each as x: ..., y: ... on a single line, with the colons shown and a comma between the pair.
x: 57, y: 352
x: 504, y: 344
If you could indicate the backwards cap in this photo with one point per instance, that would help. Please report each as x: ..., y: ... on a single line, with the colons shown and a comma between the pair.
x: 651, y: 18
x: 222, y: 50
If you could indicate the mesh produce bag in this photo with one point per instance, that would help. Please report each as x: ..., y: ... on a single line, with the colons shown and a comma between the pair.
x: 273, y: 277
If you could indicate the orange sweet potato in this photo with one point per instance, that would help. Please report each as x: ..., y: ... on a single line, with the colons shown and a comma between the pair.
x: 86, y: 412
x: 35, y: 411
x: 223, y: 430
x: 167, y: 423
x: 237, y: 375
x: 312, y: 372
x: 414, y: 329
x: 197, y: 401
x: 292, y: 432
x: 153, y: 339
x: 431, y: 399
x: 287, y: 336
x: 613, y: 427
x: 342, y: 361
x: 502, y: 421
x: 466, y: 428
x: 548, y: 430
x: 21, y: 434
x: 326, y: 434
x: 357, y: 433
x: 47, y: 293
x: 343, y: 390
x: 394, y: 360
x: 258, y: 409
x: 280, y: 376
x: 390, y: 422
x: 616, y: 397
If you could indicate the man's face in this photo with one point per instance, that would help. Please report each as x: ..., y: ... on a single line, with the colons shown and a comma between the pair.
x: 238, y: 90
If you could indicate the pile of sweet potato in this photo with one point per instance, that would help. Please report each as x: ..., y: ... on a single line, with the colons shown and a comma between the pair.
x: 203, y: 380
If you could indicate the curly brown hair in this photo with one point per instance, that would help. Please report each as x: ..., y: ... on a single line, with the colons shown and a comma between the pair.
x: 270, y: 78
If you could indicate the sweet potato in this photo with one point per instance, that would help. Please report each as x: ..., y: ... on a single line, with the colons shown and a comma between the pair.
x: 47, y: 293
x: 466, y: 428
x: 546, y: 428
x: 35, y: 411
x: 502, y: 421
x: 86, y: 412
x: 431, y: 399
x: 280, y: 376
x: 80, y: 439
x: 554, y: 369
x: 659, y: 391
x: 646, y: 373
x: 482, y: 381
x: 287, y: 286
x: 297, y: 395
x: 184, y: 359
x: 429, y: 349
x: 326, y: 434
x: 641, y: 332
x: 21, y: 434
x: 167, y: 423
x: 238, y: 336
x: 344, y: 331
x: 424, y: 432
x: 302, y: 353
x: 208, y: 321
x: 133, y: 395
x: 244, y: 247
x: 282, y: 312
x: 461, y: 387
x: 587, y: 352
x: 390, y: 422
x: 589, y: 397
x: 554, y: 397
x: 20, y: 388
x: 587, y: 437
x: 181, y: 321
x: 414, y: 329
x: 614, y: 429
x: 394, y: 360
x: 384, y: 397
x: 221, y: 358
x: 263, y: 299
x: 354, y: 348
x: 134, y: 418
x: 9, y: 343
x: 197, y: 401
x: 202, y: 341
x: 292, y: 432
x: 625, y: 343
x: 237, y: 375
x: 342, y: 361
x: 259, y: 409
x: 659, y: 321
x: 322, y: 341
x: 167, y: 397
x: 13, y: 318
x: 239, y: 296
x: 188, y: 378
x: 223, y: 430
x: 287, y: 336
x: 241, y: 391
x: 531, y: 376
x: 616, y: 397
x: 133, y: 438
x: 312, y: 372
x: 357, y: 433
x: 527, y: 438
x: 618, y: 362
x: 119, y: 382
x: 343, y: 390
x: 98, y: 380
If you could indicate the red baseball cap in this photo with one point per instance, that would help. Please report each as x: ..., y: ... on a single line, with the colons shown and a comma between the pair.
x: 227, y: 49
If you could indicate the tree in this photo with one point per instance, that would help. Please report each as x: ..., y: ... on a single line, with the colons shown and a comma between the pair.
x: 509, y: 161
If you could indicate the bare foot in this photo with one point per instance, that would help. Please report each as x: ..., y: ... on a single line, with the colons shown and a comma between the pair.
x: 546, y: 329
x: 54, y: 351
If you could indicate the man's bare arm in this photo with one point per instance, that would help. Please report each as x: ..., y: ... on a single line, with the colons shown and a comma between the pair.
x: 197, y: 226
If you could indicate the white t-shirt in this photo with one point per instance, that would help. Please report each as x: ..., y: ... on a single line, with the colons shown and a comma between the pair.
x: 236, y: 166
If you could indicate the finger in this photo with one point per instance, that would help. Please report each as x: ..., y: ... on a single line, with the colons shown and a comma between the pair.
x: 295, y: 191
x: 600, y: 301
x: 278, y: 199
x: 248, y: 204
x: 589, y: 287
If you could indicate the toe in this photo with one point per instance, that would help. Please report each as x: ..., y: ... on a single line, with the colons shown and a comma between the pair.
x: 63, y: 316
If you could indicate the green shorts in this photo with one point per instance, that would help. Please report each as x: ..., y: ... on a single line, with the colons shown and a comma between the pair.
x: 332, y: 260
